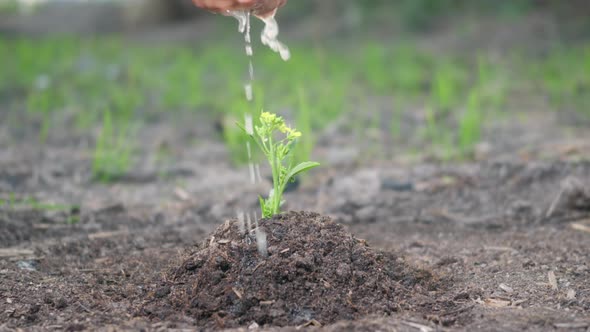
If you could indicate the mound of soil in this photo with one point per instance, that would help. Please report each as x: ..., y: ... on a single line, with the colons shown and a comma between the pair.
x: 315, y: 272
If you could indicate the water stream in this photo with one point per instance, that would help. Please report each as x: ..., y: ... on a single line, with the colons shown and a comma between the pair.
x: 269, y: 37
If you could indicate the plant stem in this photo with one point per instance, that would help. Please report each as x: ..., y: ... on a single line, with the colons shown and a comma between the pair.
x: 272, y: 159
x: 276, y: 196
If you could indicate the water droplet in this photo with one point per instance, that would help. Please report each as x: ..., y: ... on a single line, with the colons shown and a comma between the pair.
x: 261, y: 242
x: 249, y: 126
x: 248, y: 222
x: 247, y: 37
x: 242, y: 18
x: 249, y: 92
x: 257, y: 168
x: 42, y: 82
x: 270, y: 35
x: 251, y: 71
x: 252, y: 173
x: 241, y: 222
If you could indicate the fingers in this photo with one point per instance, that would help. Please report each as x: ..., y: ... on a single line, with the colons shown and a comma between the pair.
x: 224, y: 5
x: 265, y: 8
x: 260, y: 8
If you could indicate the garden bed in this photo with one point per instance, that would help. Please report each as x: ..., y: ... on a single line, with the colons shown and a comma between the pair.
x: 436, y: 258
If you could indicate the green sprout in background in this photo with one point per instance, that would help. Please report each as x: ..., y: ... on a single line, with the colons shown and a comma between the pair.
x: 112, y: 155
x: 278, y: 152
x: 53, y: 82
x: 470, y: 124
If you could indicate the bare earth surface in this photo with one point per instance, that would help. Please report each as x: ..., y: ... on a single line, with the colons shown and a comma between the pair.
x: 504, y: 243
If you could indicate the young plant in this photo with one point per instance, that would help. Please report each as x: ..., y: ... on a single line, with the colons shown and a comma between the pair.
x: 112, y: 155
x: 302, y: 150
x: 470, y: 123
x: 276, y: 140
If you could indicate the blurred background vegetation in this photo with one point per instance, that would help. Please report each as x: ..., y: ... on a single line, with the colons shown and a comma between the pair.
x: 424, y: 75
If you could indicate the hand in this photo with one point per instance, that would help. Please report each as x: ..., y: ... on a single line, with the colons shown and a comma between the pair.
x: 260, y: 8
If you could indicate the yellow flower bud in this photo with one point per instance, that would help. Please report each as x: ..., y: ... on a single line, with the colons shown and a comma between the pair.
x: 267, y: 118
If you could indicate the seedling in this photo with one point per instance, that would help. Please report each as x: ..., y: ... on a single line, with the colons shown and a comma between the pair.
x: 302, y: 150
x: 113, y: 152
x: 276, y: 140
x: 470, y: 124
x: 376, y: 60
x: 13, y: 203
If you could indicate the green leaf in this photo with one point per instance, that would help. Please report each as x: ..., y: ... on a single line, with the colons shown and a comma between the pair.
x: 304, y: 166
x: 262, y: 206
x: 266, y: 211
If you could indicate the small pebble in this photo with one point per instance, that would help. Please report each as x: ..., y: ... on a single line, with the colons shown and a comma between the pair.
x: 162, y: 292
x: 61, y: 303
x: 27, y: 265
x: 571, y: 294
x: 506, y: 288
x: 394, y: 185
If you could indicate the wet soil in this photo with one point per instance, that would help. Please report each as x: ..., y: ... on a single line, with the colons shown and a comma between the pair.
x: 293, y: 269
x: 497, y: 243
x: 500, y: 243
x: 482, y: 246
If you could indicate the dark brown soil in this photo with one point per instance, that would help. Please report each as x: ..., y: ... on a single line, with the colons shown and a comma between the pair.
x: 313, y: 271
x: 474, y: 253
x: 501, y: 243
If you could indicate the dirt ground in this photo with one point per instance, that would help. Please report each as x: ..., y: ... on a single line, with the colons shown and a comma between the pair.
x: 506, y: 240
x: 501, y: 243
